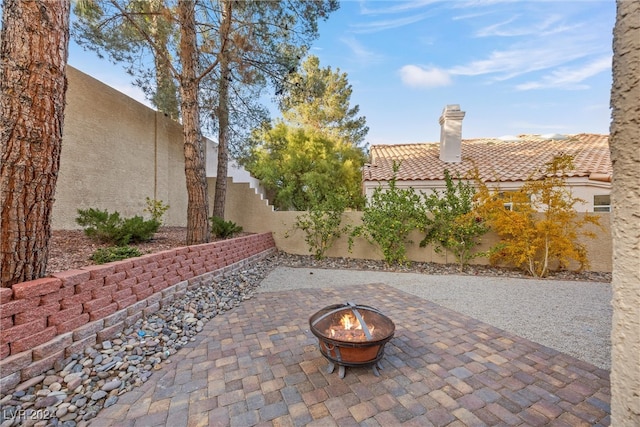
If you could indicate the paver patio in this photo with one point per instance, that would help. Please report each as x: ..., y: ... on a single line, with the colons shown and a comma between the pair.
x: 260, y: 365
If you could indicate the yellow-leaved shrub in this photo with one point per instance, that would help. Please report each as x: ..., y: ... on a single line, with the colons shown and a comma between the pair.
x: 542, y: 229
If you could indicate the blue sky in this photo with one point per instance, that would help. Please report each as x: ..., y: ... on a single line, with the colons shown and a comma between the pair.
x: 513, y: 66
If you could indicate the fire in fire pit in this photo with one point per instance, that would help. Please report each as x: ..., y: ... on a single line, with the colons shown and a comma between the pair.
x: 351, y: 335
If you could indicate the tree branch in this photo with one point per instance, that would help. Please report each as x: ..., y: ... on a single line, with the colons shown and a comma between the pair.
x: 145, y: 35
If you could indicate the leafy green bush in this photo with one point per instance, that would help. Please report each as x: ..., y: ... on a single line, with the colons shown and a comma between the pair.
x: 111, y: 228
x: 223, y: 229
x: 114, y: 253
x: 322, y: 224
x: 389, y: 217
x: 454, y: 224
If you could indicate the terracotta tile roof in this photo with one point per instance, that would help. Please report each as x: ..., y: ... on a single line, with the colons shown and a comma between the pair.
x: 496, y: 159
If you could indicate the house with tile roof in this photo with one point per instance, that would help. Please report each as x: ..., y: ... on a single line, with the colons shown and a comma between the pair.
x: 506, y: 162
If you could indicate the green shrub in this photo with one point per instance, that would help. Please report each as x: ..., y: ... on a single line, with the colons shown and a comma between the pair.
x: 114, y: 253
x: 99, y: 225
x: 389, y: 217
x: 454, y: 224
x: 322, y: 224
x: 110, y: 228
x: 136, y: 229
x: 223, y: 229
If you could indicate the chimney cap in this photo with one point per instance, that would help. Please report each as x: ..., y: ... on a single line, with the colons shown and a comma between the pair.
x: 451, y: 112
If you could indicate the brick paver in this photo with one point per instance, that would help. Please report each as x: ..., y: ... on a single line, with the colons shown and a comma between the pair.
x: 260, y: 365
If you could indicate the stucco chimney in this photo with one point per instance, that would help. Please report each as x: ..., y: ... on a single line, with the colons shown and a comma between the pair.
x: 451, y: 134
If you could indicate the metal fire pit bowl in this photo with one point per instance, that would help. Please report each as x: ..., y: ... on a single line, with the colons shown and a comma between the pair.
x: 366, y: 349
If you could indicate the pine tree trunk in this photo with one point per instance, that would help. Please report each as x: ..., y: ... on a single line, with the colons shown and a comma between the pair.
x: 194, y: 153
x: 33, y: 85
x: 223, y: 113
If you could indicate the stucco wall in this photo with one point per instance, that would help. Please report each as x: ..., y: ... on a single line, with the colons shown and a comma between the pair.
x: 236, y: 172
x: 115, y: 153
x: 625, y: 155
x: 245, y: 208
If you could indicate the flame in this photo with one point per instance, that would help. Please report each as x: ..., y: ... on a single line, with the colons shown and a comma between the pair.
x: 349, y: 321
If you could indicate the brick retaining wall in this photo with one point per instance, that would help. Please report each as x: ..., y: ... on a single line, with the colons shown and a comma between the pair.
x: 44, y: 321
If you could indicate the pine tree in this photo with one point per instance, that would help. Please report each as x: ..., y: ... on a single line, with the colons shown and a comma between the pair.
x: 33, y: 86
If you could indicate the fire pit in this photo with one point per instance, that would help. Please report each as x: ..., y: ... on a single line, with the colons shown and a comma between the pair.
x: 352, y: 335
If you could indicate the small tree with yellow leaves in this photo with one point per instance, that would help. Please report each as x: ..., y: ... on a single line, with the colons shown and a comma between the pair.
x: 542, y: 227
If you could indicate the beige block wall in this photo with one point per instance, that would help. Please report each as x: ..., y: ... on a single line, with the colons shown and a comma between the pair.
x: 115, y: 153
x: 245, y: 208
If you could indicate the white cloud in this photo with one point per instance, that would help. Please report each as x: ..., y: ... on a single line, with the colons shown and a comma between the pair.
x: 597, y: 107
x: 479, y: 3
x: 550, y: 25
x: 496, y: 29
x: 361, y: 53
x: 472, y: 15
x: 523, y: 59
x: 415, y: 76
x: 375, y: 26
x: 569, y: 78
x: 548, y: 41
x: 397, y: 7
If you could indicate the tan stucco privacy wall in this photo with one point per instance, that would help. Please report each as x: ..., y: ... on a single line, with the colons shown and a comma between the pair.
x: 115, y: 153
x: 256, y: 215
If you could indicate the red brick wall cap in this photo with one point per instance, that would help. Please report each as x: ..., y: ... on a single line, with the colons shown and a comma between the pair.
x: 36, y: 287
